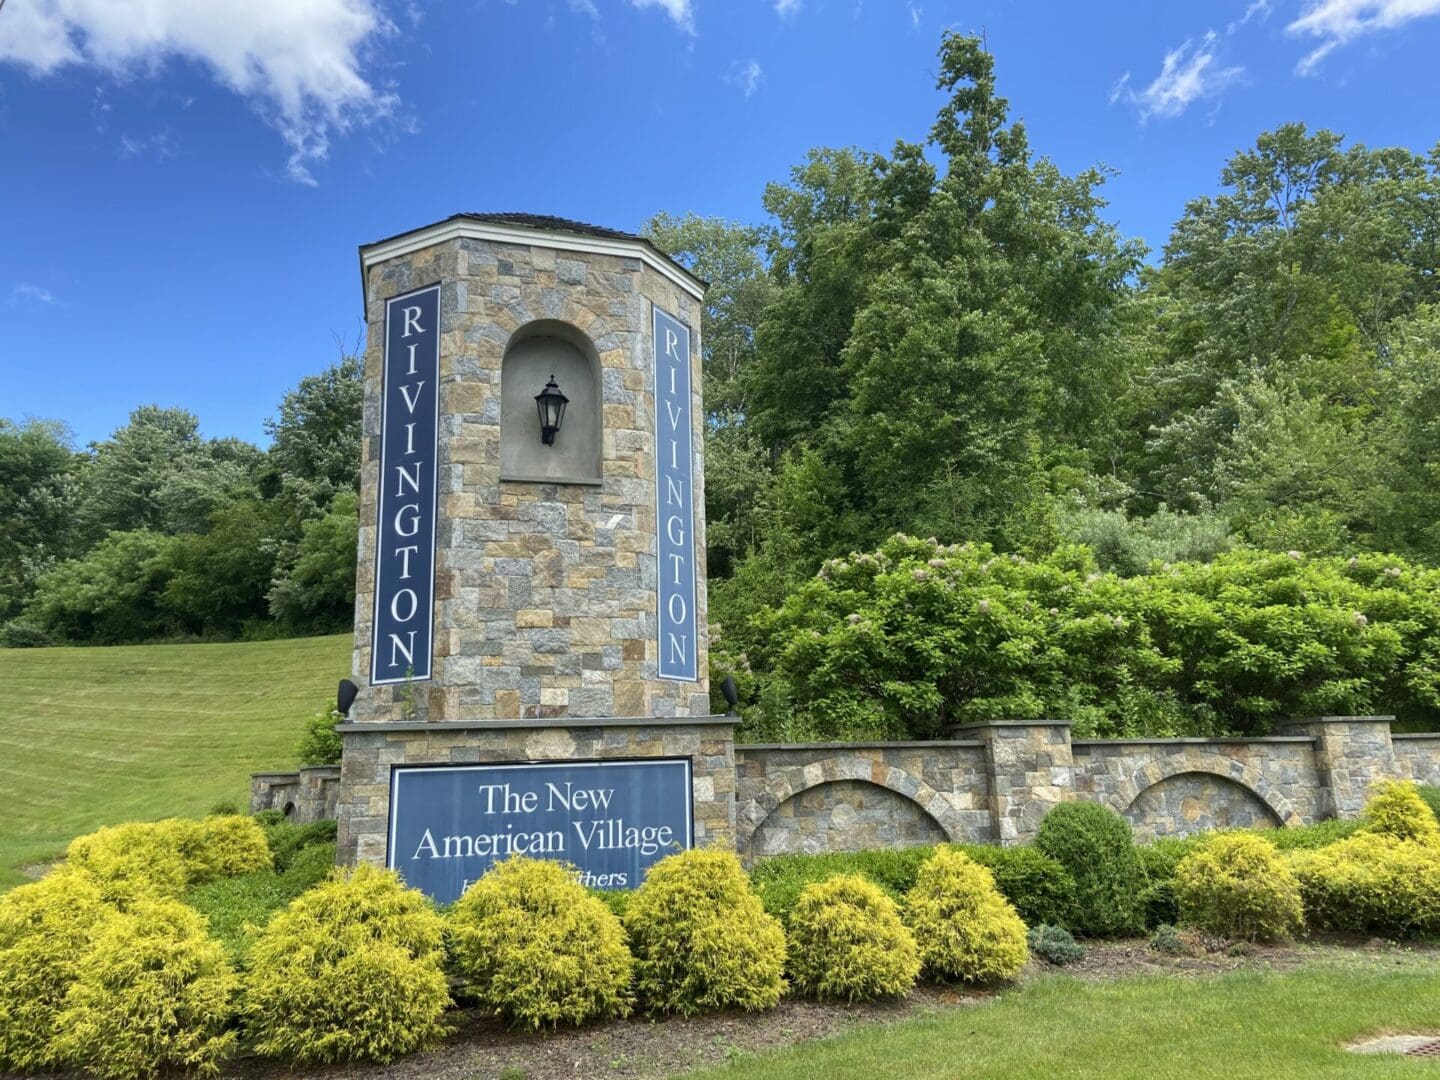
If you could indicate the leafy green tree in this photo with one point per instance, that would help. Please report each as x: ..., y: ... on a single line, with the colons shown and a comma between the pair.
x: 1276, y: 296
x: 157, y: 472
x: 315, y: 592
x: 315, y: 437
x: 220, y: 578
x: 112, y: 595
x: 946, y: 336
x: 37, y: 505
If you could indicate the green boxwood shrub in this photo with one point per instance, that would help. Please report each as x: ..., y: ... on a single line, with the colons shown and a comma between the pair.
x: 320, y: 743
x: 534, y: 947
x: 1037, y: 886
x: 848, y: 943
x: 350, y: 969
x: 287, y: 840
x: 1094, y: 844
x: 1431, y: 794
x: 701, y: 937
x: 779, y: 879
x: 1396, y: 809
x: 1371, y: 883
x: 1237, y: 886
x: 45, y: 929
x: 1158, y: 860
x: 154, y: 993
x: 965, y: 929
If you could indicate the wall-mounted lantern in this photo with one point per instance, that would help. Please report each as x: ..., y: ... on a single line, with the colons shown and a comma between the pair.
x: 551, y: 403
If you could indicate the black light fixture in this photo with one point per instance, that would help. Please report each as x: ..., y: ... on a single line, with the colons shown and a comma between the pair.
x: 345, y: 697
x: 551, y: 403
x: 732, y: 695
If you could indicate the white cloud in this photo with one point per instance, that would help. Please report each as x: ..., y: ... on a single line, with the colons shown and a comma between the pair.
x: 585, y: 7
x: 746, y: 76
x: 298, y: 61
x: 161, y: 145
x: 1186, y: 76
x: 786, y: 7
x: 1256, y: 9
x: 26, y: 293
x: 1338, y: 22
x: 915, y: 12
x: 681, y: 12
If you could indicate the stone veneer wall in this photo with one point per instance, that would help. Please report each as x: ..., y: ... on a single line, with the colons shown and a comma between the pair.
x: 1417, y: 756
x: 371, y: 749
x: 545, y: 593
x: 997, y: 786
x: 844, y: 796
x: 312, y: 794
x: 778, y: 799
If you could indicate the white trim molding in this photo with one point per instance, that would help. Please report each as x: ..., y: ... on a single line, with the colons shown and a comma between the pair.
x: 498, y: 232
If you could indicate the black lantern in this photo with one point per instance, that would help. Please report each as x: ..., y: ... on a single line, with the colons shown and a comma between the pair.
x: 551, y: 403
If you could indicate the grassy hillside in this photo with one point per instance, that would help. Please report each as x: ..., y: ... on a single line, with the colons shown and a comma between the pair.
x: 90, y: 737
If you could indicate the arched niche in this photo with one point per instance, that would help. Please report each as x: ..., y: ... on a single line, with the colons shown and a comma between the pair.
x: 537, y: 351
x: 1191, y: 802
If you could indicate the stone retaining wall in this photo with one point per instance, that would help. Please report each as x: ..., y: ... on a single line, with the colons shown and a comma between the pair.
x: 995, y: 786
x: 312, y: 794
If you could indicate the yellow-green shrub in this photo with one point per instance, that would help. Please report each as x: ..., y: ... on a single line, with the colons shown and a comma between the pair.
x: 224, y: 845
x: 45, y: 928
x: 847, y: 942
x: 1238, y: 886
x: 1396, y: 809
x: 137, y: 859
x: 154, y: 993
x: 965, y: 929
x: 351, y: 969
x: 1371, y: 882
x: 701, y: 938
x: 534, y: 947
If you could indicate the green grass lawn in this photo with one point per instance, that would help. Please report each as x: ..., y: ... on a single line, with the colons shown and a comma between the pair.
x: 1247, y: 1025
x: 94, y: 736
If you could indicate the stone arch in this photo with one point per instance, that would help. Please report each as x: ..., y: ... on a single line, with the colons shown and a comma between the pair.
x: 288, y: 809
x: 535, y: 352
x: 844, y: 815
x: 785, y: 782
x: 1240, y: 773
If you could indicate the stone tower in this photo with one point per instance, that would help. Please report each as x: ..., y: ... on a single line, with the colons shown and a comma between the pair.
x: 518, y: 586
x: 545, y: 569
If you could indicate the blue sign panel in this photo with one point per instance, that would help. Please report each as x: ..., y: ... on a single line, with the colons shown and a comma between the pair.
x: 405, y: 527
x: 610, y: 819
x: 675, y: 500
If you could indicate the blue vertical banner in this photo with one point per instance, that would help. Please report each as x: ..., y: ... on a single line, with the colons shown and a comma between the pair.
x: 675, y: 501
x: 406, y: 502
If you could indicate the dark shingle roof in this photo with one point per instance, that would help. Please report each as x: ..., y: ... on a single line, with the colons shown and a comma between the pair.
x: 547, y: 223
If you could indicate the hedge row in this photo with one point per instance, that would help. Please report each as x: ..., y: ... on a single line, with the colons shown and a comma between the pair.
x: 102, y: 967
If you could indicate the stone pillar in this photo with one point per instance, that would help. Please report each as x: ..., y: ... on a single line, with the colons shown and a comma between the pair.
x: 1028, y: 767
x: 1351, y: 753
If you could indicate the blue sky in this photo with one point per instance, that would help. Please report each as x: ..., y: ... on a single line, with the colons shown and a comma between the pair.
x: 183, y: 185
